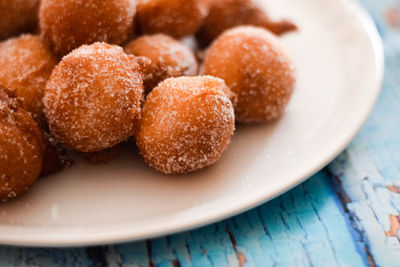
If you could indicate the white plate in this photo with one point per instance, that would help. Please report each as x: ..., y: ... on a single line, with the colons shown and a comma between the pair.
x: 339, y: 58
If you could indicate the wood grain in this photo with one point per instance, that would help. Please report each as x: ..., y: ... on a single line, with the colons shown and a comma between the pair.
x: 305, y: 227
x: 346, y: 215
x: 368, y: 171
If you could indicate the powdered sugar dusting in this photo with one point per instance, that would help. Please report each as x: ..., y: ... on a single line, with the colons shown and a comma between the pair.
x: 226, y: 14
x: 21, y: 148
x: 169, y: 57
x: 92, y: 100
x: 256, y: 67
x: 67, y: 24
x: 177, y: 18
x: 25, y: 65
x: 187, y: 123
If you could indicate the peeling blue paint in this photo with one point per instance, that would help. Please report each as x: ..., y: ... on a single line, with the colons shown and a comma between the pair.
x: 309, y: 226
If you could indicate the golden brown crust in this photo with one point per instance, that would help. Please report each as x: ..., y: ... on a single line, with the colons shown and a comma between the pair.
x: 226, y: 14
x: 93, y: 98
x: 68, y: 24
x: 169, y: 58
x: 18, y: 16
x: 21, y: 147
x: 186, y: 124
x: 25, y: 65
x: 256, y: 68
x: 177, y: 18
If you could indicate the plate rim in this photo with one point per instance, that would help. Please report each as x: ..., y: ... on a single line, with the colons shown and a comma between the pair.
x: 60, y: 240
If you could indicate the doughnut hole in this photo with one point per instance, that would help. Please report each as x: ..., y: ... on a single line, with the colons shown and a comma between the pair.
x: 21, y: 147
x: 186, y: 124
x: 93, y: 98
x: 68, y: 24
x: 169, y: 58
x: 177, y: 18
x: 256, y: 68
x: 25, y: 66
x: 18, y: 16
x: 226, y: 14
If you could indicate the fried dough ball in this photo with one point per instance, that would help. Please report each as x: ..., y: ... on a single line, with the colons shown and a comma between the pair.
x: 186, y: 124
x: 68, y: 24
x: 169, y: 58
x: 18, y: 16
x: 255, y: 67
x: 21, y: 147
x: 225, y: 14
x: 25, y: 65
x: 93, y: 98
x: 177, y: 18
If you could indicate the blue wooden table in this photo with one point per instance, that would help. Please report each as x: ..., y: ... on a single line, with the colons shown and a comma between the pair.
x: 346, y: 215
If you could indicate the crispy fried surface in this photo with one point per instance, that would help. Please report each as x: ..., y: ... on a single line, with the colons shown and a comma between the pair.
x: 93, y: 98
x: 225, y: 14
x: 169, y: 58
x: 186, y: 125
x: 177, y: 18
x: 18, y: 16
x: 25, y: 65
x: 68, y: 24
x: 21, y: 147
x: 256, y: 68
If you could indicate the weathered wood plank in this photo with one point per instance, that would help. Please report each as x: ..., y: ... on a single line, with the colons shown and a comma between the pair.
x: 368, y: 171
x: 305, y: 227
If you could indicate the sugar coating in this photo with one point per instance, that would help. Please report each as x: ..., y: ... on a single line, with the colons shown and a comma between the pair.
x: 68, y: 24
x: 93, y: 98
x: 18, y: 16
x: 177, y: 18
x: 256, y: 68
x: 25, y: 65
x: 226, y: 14
x: 186, y: 124
x: 21, y: 148
x: 169, y: 58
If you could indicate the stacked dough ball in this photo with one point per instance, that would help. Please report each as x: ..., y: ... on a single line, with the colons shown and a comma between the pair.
x: 66, y: 83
